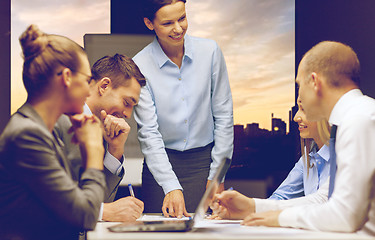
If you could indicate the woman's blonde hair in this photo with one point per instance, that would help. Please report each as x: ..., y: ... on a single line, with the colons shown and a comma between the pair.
x: 43, y: 54
x: 323, y: 133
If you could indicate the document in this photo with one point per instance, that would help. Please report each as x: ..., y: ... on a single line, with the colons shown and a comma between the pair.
x: 150, y: 218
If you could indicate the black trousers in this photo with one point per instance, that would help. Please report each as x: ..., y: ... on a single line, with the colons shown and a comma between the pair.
x: 191, y: 168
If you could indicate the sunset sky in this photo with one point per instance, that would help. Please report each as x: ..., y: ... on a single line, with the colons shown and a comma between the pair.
x: 256, y: 36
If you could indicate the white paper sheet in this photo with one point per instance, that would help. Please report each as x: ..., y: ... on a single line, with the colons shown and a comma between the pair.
x: 160, y: 218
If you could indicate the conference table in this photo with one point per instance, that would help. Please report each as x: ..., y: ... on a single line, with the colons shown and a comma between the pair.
x: 209, y: 230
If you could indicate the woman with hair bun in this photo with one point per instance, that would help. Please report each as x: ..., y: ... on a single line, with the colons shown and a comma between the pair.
x: 38, y: 198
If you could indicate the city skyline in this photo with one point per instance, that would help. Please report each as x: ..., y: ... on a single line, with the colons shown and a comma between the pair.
x: 274, y: 121
x: 256, y: 37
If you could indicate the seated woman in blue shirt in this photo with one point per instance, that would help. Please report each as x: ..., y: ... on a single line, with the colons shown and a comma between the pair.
x: 306, y: 183
x: 312, y: 170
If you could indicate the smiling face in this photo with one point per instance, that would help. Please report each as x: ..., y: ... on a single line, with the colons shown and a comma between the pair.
x: 118, y: 101
x: 170, y: 24
x: 306, y: 128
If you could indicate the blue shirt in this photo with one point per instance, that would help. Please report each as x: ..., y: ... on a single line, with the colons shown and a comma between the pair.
x: 183, y: 108
x: 298, y: 183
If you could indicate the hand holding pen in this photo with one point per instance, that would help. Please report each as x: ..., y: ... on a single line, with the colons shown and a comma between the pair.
x: 210, y: 213
x: 231, y: 204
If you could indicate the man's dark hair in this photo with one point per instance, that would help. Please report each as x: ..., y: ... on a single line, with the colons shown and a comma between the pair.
x: 119, y: 69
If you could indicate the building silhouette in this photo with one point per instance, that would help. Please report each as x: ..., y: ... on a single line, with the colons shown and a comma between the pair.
x: 278, y: 126
x: 261, y: 154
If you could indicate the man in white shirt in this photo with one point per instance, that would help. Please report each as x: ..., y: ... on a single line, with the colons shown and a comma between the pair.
x: 115, y: 86
x: 328, y: 79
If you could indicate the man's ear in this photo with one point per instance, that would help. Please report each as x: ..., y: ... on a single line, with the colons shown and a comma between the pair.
x: 148, y: 24
x: 316, y: 82
x: 66, y: 77
x: 103, y: 85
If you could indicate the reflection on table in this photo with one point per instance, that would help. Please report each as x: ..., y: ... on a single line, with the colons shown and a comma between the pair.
x: 221, y: 229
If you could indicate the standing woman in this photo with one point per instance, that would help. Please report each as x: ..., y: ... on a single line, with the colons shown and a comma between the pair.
x: 185, y: 112
x: 38, y: 198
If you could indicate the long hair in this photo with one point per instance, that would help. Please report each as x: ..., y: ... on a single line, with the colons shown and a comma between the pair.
x: 308, y: 144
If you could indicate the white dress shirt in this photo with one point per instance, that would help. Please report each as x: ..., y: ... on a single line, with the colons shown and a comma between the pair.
x: 320, y: 196
x: 352, y: 205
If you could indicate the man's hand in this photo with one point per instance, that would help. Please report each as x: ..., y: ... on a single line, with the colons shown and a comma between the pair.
x: 116, y: 131
x: 126, y: 209
x: 232, y: 205
x: 174, y: 204
x: 269, y: 219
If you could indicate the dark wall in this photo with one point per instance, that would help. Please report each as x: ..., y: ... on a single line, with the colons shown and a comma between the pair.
x: 126, y: 17
x: 349, y: 21
x: 4, y: 63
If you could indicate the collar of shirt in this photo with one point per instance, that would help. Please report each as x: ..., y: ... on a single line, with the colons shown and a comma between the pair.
x: 161, y: 58
x: 342, y: 105
x: 86, y: 109
x: 323, y: 153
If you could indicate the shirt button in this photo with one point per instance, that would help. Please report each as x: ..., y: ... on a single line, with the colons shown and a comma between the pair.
x: 185, y: 121
x: 182, y: 99
x: 184, y: 140
x: 179, y: 79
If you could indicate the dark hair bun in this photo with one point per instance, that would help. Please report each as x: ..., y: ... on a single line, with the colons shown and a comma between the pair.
x: 33, y: 42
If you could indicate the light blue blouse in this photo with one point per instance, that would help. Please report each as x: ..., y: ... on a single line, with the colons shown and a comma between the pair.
x: 183, y: 108
x: 298, y: 183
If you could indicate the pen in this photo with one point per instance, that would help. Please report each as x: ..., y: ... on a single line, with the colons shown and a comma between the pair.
x: 131, y: 190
